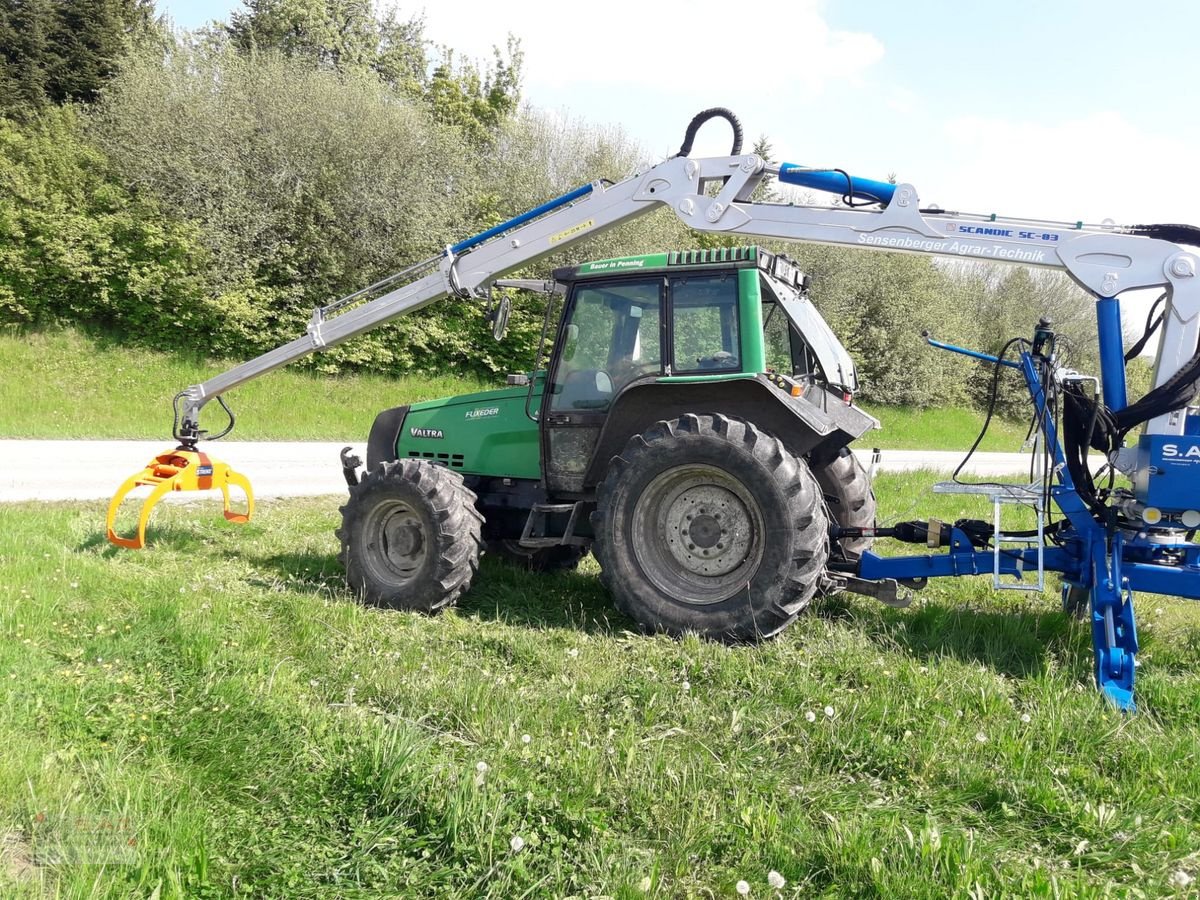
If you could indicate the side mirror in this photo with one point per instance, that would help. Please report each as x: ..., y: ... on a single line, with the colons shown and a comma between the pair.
x: 500, y: 317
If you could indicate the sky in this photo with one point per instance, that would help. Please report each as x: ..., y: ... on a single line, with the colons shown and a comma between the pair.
x: 1059, y: 109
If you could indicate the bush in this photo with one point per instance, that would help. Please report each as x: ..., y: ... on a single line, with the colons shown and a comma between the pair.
x: 76, y: 246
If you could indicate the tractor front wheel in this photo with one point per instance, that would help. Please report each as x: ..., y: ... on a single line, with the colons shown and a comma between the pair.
x: 706, y: 524
x: 410, y: 536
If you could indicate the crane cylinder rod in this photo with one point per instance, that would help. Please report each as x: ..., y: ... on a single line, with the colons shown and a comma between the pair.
x: 1112, y: 352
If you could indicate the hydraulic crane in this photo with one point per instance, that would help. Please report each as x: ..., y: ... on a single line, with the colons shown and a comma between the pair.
x: 717, y: 495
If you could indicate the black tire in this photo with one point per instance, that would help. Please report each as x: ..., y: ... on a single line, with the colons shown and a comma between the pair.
x: 562, y: 558
x: 849, y: 500
x: 754, y: 552
x: 410, y: 536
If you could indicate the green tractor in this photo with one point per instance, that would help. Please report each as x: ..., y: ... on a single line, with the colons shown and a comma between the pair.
x: 689, y: 426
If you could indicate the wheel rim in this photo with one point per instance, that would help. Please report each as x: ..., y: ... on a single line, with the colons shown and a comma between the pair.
x: 697, y: 534
x: 397, y: 542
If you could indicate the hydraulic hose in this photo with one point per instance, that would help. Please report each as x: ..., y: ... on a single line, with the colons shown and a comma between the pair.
x: 717, y: 112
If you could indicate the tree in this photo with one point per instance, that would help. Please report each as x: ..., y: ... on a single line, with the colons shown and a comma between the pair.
x: 58, y: 51
x: 475, y: 101
x: 339, y: 34
x: 349, y: 36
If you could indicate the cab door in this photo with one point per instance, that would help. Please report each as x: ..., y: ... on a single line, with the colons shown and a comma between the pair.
x: 611, y: 334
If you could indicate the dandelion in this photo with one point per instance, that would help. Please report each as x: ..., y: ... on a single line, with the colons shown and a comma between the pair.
x: 517, y: 843
x: 74, y: 584
x: 742, y: 888
x: 573, y: 652
x: 687, y: 686
x: 981, y: 737
x: 829, y: 712
x: 1180, y: 880
x: 481, y: 767
x: 907, y: 734
x: 525, y: 739
x: 1025, y: 719
x: 810, y: 716
x: 775, y: 880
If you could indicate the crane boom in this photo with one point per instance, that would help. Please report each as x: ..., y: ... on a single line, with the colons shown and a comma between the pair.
x: 1104, y: 261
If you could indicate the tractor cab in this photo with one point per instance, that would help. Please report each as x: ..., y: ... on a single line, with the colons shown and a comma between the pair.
x: 704, y: 313
x: 645, y: 336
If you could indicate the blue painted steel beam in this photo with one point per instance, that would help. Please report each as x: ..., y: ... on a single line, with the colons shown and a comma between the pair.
x: 974, y: 354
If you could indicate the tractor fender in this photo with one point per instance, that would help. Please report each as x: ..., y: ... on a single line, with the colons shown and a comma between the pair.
x: 805, y: 427
x: 385, y: 434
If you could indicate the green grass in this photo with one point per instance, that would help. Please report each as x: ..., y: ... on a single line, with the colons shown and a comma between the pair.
x: 944, y: 428
x: 221, y: 698
x: 64, y: 385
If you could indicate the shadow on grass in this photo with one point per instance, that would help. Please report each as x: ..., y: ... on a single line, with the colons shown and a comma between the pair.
x: 500, y: 593
x: 570, y: 600
x: 1021, y: 642
x: 183, y: 538
x: 315, y: 573
x: 1018, y: 643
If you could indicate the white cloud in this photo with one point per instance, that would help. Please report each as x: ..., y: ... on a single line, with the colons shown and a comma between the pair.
x: 660, y: 47
x: 1087, y: 168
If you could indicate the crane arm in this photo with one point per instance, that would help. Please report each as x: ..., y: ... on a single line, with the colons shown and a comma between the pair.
x: 714, y: 194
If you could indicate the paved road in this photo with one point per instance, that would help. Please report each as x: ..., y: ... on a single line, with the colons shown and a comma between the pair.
x: 89, y: 470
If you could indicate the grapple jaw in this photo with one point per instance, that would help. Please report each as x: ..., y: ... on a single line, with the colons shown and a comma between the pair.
x: 181, y: 469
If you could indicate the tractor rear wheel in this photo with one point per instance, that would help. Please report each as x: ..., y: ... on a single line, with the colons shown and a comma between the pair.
x: 707, y: 524
x: 850, y: 500
x: 562, y: 558
x: 410, y: 536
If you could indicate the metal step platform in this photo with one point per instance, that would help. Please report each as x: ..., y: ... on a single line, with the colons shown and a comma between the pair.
x: 1001, y: 493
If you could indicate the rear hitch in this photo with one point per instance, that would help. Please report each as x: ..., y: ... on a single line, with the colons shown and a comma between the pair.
x: 886, y: 591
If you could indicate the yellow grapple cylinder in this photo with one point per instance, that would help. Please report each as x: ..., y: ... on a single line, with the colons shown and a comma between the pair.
x: 177, y: 470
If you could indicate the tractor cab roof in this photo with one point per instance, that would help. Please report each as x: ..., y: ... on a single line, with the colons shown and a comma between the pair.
x: 723, y: 257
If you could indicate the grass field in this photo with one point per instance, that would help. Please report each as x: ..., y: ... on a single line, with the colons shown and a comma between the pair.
x: 74, y: 386
x: 220, y: 700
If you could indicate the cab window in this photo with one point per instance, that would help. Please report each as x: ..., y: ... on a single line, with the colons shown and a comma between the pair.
x: 704, y: 323
x: 777, y: 339
x: 611, y: 337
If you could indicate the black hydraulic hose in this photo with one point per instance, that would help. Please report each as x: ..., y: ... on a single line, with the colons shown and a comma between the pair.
x: 1176, y: 234
x: 1152, y: 325
x: 717, y: 112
